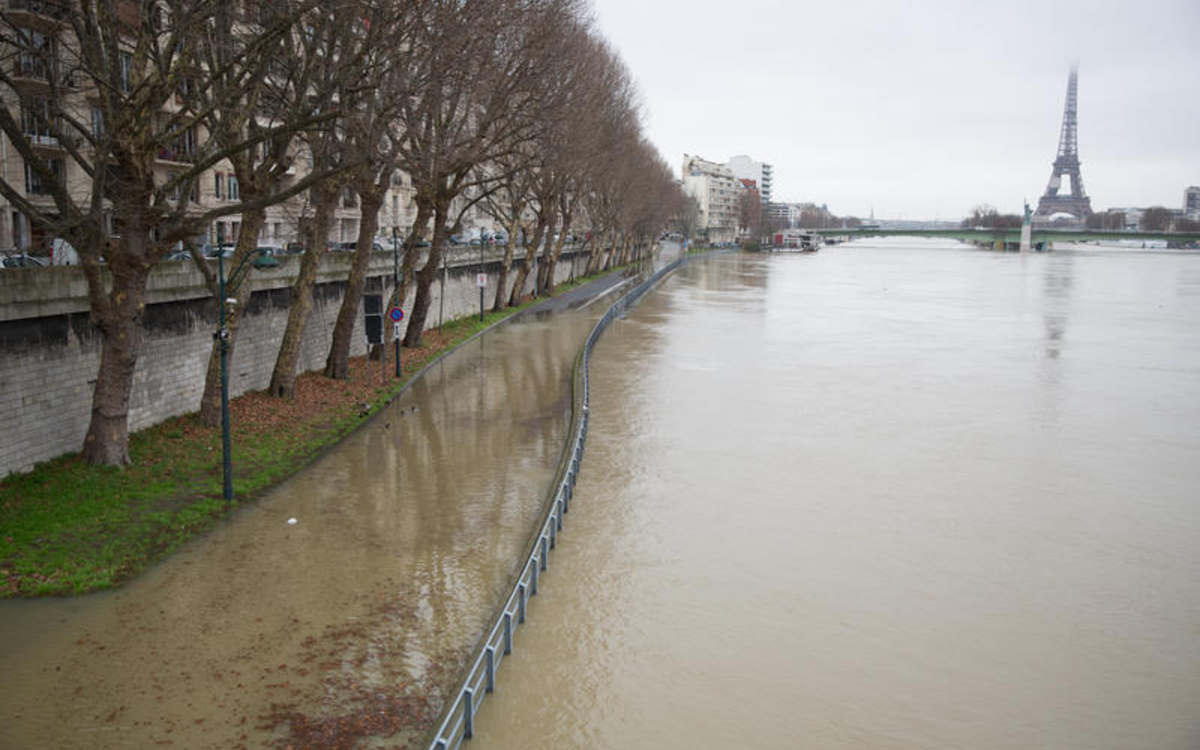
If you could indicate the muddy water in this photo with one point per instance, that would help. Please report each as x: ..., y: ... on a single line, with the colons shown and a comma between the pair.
x: 891, y: 496
x: 266, y: 632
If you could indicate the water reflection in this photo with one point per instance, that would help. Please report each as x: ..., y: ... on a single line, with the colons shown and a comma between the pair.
x: 406, y: 533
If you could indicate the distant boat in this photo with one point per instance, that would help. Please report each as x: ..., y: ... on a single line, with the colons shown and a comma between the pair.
x: 791, y: 239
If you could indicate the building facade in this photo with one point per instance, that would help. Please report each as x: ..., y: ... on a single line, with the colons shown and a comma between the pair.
x: 716, y: 189
x: 763, y: 174
x: 57, y: 108
x: 1191, y: 203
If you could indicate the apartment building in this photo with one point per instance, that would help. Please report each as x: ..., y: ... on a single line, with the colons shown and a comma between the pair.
x: 58, y: 110
x: 716, y: 189
x: 763, y: 174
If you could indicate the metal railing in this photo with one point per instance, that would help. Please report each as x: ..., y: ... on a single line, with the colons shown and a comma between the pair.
x: 458, y: 722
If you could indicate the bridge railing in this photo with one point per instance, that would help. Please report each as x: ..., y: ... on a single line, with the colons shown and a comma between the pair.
x: 458, y: 718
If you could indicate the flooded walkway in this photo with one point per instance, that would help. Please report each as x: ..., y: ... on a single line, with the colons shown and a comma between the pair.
x: 350, y: 622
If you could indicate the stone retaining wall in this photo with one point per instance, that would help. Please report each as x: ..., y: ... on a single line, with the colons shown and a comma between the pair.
x: 49, y: 351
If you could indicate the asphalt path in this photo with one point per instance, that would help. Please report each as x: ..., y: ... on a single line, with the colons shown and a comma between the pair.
x: 581, y: 295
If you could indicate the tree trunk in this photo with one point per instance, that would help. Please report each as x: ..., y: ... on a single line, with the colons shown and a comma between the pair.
x: 543, y: 229
x: 425, y: 278
x: 506, y: 264
x: 551, y: 263
x: 283, y: 377
x: 107, y: 440
x: 409, y: 254
x: 337, y: 364
x: 595, y: 257
x: 210, y: 402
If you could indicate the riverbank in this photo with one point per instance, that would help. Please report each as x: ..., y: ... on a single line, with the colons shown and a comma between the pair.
x: 70, y: 528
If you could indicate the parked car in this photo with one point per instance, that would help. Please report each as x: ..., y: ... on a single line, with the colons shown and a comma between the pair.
x: 500, y: 238
x: 267, y: 256
x: 349, y: 247
x: 175, y: 255
x: 21, y: 260
x: 210, y: 250
x: 458, y: 239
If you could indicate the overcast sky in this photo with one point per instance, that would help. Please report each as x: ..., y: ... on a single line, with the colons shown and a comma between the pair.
x: 921, y: 109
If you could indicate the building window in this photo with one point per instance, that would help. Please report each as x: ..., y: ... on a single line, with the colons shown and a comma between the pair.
x: 97, y: 123
x: 35, y: 51
x: 234, y: 193
x: 218, y: 185
x: 111, y: 225
x: 37, y: 122
x: 35, y: 185
x: 176, y: 192
x: 125, y: 60
x: 181, y: 149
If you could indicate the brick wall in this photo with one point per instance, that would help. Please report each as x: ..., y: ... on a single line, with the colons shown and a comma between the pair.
x: 49, y: 351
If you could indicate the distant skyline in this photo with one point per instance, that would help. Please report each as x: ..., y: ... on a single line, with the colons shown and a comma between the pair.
x: 921, y: 110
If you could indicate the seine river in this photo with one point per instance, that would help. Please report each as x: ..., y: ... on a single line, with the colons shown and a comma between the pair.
x: 891, y: 495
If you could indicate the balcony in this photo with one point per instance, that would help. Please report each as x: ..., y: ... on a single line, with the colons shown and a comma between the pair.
x: 29, y: 66
x: 178, y: 155
x: 45, y: 8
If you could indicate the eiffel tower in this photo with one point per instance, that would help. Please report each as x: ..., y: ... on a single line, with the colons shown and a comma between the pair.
x: 1066, y: 163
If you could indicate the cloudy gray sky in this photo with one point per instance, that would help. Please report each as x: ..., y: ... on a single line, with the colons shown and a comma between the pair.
x: 921, y: 109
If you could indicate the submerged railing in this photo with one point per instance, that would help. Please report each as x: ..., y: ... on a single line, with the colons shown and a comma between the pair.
x: 458, y: 721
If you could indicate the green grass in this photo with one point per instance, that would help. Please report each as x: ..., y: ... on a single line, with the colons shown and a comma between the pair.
x: 71, y: 528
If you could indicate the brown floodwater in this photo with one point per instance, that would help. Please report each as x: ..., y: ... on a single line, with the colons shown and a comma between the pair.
x: 265, y: 633
x: 891, y: 495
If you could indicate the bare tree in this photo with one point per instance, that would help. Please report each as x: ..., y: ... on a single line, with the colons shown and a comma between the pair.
x: 506, y: 204
x: 473, y: 107
x: 750, y: 212
x: 109, y: 86
x: 1156, y: 219
x: 345, y: 41
x: 373, y: 142
x: 265, y: 112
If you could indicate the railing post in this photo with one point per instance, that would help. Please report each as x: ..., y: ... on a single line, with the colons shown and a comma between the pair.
x: 507, y: 633
x: 534, y: 580
x: 553, y: 529
x: 544, y: 552
x: 468, y: 697
x: 490, y: 658
x: 521, y: 601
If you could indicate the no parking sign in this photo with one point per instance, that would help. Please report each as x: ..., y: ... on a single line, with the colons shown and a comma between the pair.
x: 397, y: 315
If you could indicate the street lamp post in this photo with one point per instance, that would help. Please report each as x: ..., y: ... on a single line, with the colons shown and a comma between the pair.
x: 481, y: 277
x: 222, y: 336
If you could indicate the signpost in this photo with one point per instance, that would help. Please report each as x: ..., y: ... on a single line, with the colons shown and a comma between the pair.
x: 396, y: 315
